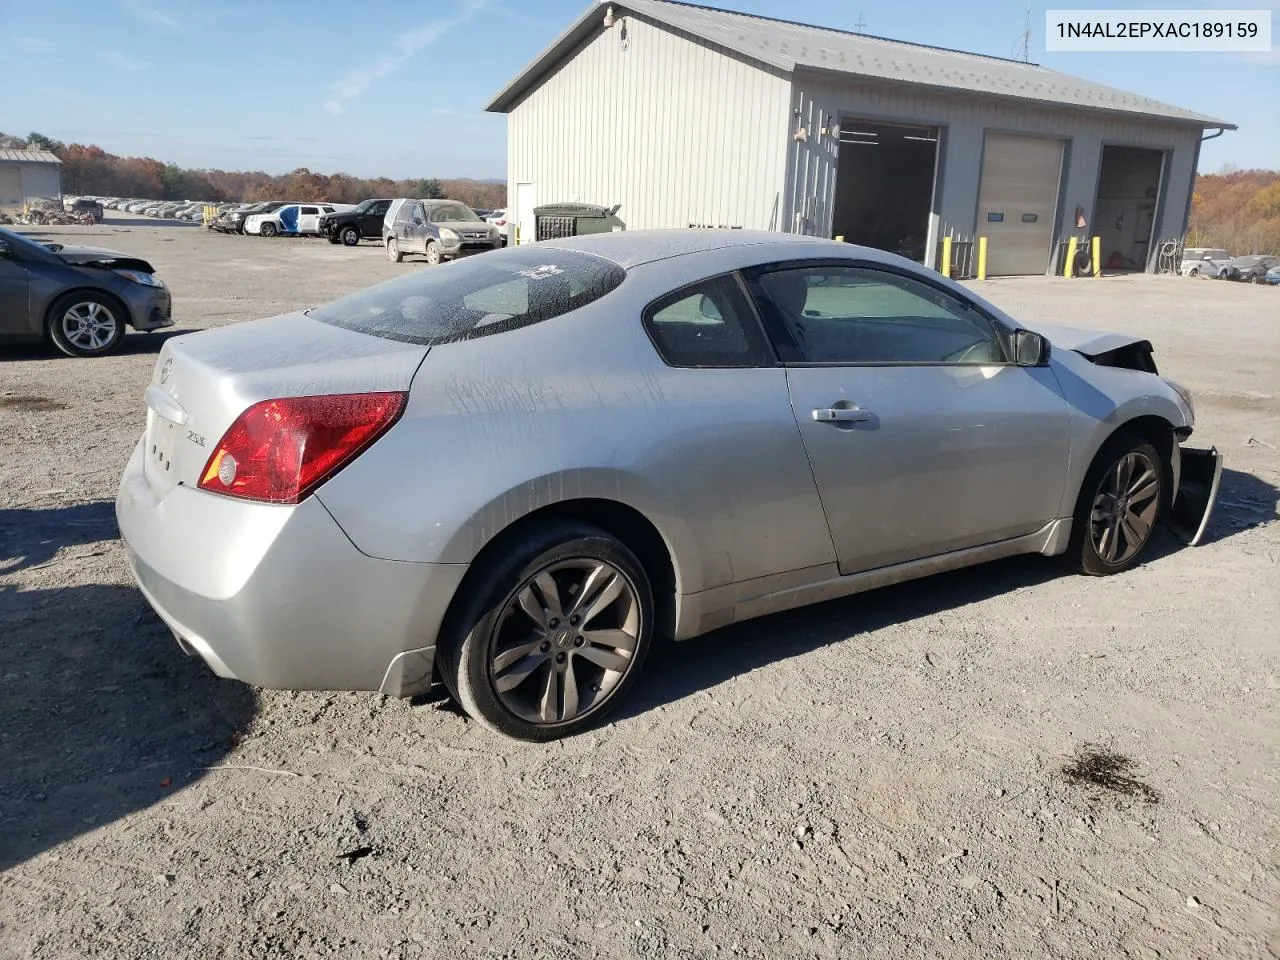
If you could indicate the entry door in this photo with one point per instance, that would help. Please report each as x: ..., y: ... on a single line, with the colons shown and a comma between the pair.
x: 1017, y: 202
x: 526, y: 227
x: 10, y: 186
x: 14, y: 286
x: 922, y: 437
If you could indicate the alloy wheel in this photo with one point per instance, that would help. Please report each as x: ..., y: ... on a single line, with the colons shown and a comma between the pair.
x: 565, y: 640
x: 89, y: 325
x: 1124, y: 508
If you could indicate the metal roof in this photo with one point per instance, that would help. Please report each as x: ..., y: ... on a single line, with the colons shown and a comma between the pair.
x: 28, y: 156
x: 790, y: 46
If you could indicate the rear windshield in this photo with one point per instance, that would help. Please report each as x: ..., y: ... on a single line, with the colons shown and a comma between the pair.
x: 483, y: 294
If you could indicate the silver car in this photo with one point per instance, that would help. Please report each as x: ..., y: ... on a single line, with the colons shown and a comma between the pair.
x: 512, y: 472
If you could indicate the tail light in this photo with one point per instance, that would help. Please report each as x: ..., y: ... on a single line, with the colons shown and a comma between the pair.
x: 278, y: 451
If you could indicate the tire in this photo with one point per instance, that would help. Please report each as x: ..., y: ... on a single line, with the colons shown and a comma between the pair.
x: 333, y: 239
x: 559, y: 681
x: 393, y: 250
x: 432, y: 253
x: 86, y: 324
x: 350, y: 236
x: 267, y: 230
x: 1101, y: 544
x: 1193, y: 272
x: 1253, y: 278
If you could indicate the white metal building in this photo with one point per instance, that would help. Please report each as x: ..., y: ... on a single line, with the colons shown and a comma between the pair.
x: 689, y: 116
x: 27, y: 174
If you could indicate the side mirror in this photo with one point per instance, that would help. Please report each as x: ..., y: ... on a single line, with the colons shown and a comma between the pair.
x: 708, y: 309
x: 1030, y: 349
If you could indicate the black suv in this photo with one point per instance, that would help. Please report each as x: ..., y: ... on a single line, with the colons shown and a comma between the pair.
x: 84, y: 205
x: 349, y: 227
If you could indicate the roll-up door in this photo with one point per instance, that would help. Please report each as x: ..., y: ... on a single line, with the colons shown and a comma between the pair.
x: 1017, y: 201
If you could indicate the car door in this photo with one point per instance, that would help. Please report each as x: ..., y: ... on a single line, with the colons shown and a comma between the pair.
x: 370, y: 224
x: 922, y: 436
x: 308, y: 219
x: 413, y: 233
x: 14, y: 294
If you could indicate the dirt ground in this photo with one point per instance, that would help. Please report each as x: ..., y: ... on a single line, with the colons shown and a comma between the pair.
x: 884, y: 776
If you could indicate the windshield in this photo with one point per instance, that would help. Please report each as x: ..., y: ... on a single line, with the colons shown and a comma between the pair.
x: 475, y: 297
x: 364, y: 205
x: 452, y: 211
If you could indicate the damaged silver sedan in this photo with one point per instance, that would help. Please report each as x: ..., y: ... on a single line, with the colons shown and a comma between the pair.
x: 510, y: 474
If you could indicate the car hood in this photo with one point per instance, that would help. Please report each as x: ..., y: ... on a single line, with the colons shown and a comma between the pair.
x: 461, y: 225
x: 1090, y: 343
x: 81, y: 256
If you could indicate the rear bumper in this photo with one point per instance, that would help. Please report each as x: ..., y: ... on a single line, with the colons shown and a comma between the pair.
x: 277, y: 596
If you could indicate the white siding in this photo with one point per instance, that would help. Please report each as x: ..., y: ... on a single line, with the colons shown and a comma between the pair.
x: 41, y: 180
x: 965, y: 121
x: 676, y: 130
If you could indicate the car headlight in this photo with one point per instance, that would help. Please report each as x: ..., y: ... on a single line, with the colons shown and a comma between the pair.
x: 137, y: 276
x: 447, y: 234
x: 1185, y: 394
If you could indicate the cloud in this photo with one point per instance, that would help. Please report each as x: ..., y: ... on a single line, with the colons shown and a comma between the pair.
x: 123, y: 62
x: 149, y: 14
x: 405, y: 46
x: 34, y: 43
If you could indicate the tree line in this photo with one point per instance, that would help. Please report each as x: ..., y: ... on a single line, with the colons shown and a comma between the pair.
x: 88, y: 169
x: 1238, y: 211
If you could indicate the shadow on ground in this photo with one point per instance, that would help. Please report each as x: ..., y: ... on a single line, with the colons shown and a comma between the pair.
x: 1244, y: 501
x: 133, y: 344
x: 100, y: 714
x: 31, y: 537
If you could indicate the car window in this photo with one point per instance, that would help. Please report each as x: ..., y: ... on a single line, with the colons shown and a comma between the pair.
x: 452, y: 211
x: 709, y: 324
x: 380, y: 208
x: 307, y: 210
x: 476, y: 296
x: 837, y: 314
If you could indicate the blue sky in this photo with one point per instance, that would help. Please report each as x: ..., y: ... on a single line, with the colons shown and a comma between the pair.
x: 397, y: 87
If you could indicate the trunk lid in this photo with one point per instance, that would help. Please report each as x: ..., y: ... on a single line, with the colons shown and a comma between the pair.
x: 203, y: 381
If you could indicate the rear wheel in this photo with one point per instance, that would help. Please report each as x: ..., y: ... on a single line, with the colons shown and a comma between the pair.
x: 1118, y: 506
x: 268, y: 230
x: 393, y: 250
x: 350, y: 236
x: 554, y: 635
x: 86, y: 324
x: 433, y: 253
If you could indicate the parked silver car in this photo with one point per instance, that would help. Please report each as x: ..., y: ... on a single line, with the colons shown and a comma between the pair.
x: 512, y: 472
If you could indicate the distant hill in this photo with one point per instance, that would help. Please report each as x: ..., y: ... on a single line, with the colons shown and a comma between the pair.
x: 1238, y: 211
x: 91, y: 170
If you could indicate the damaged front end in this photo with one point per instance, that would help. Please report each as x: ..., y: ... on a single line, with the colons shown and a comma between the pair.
x: 1201, y: 470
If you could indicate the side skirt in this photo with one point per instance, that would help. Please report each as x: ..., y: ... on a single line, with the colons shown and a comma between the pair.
x: 709, y: 610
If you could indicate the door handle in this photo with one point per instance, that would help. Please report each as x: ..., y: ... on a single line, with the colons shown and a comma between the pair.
x: 842, y: 415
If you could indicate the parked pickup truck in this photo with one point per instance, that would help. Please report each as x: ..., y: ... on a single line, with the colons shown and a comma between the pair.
x: 349, y: 227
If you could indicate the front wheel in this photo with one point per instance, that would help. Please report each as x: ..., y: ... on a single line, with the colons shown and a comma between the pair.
x: 350, y: 236
x: 393, y: 250
x: 333, y: 239
x: 433, y: 253
x: 1193, y: 272
x: 554, y: 635
x: 85, y: 325
x: 1118, y: 506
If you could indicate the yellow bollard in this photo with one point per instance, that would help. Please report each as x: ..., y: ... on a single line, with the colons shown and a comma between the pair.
x: 1071, y: 257
x: 946, y: 256
x: 1097, y: 256
x: 982, y: 258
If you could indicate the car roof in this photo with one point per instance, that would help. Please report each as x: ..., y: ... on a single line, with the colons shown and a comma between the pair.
x: 630, y: 248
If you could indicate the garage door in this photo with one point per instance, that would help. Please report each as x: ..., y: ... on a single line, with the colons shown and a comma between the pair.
x: 1017, y: 201
x: 10, y: 185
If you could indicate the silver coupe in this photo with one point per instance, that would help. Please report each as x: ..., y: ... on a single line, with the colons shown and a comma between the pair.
x: 511, y: 473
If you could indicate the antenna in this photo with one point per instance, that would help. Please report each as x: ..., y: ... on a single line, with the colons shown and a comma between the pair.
x: 860, y: 24
x: 1023, y: 48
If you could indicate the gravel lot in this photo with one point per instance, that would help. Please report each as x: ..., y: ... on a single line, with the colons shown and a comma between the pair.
x: 881, y: 776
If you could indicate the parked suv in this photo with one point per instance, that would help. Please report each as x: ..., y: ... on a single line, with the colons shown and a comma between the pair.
x: 1205, y: 262
x: 83, y: 205
x: 349, y: 227
x: 1253, y: 268
x: 439, y: 230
